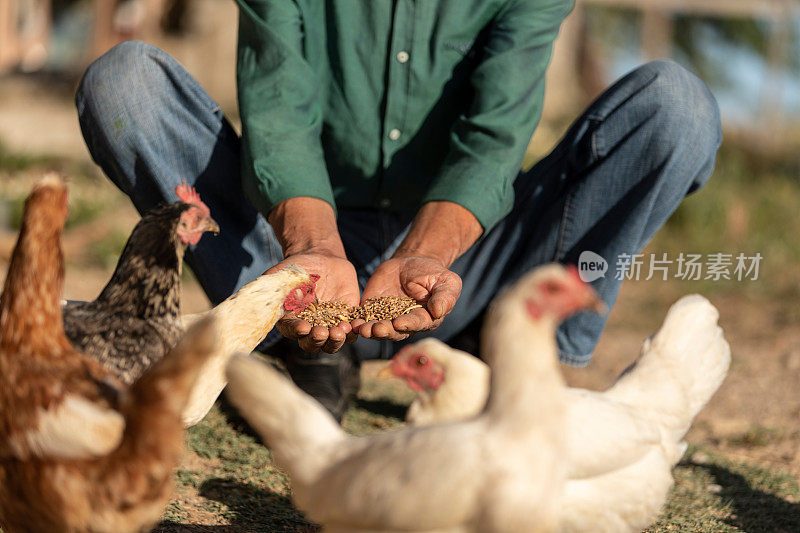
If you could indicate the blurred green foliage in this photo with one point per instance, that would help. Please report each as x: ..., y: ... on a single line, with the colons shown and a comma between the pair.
x: 749, y: 206
x: 11, y: 161
x: 81, y: 211
x: 105, y: 251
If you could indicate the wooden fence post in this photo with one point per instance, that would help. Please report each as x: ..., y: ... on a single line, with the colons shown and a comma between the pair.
x: 657, y: 33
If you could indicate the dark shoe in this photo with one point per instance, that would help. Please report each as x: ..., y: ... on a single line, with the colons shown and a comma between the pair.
x: 331, y: 379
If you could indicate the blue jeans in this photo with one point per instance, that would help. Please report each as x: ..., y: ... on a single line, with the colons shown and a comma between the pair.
x: 609, y: 185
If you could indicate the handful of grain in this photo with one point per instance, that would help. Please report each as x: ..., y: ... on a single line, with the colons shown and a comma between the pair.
x: 385, y: 308
x: 330, y: 314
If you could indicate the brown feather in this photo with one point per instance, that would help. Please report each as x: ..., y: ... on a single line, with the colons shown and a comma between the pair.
x: 125, y: 490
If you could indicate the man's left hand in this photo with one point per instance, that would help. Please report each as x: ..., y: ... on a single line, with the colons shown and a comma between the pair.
x: 424, y: 279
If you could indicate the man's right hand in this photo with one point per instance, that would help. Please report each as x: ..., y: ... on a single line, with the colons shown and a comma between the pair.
x: 337, y: 283
x: 306, y: 229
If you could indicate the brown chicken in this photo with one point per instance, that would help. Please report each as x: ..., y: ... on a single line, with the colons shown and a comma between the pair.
x: 136, y: 319
x: 79, y: 452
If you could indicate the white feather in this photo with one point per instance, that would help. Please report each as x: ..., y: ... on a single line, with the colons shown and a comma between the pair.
x: 75, y: 429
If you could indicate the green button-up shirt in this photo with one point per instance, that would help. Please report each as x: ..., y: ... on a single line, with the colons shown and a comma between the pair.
x: 391, y: 103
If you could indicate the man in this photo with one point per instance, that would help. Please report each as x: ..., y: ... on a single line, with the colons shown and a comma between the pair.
x: 381, y: 147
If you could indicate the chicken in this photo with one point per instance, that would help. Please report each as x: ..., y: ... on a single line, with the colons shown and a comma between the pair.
x: 136, y: 318
x: 475, y: 475
x: 449, y: 384
x: 243, y: 321
x: 78, y: 450
x: 622, y: 442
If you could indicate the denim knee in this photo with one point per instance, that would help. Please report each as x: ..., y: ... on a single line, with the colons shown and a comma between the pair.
x: 128, y: 70
x: 685, y: 113
x: 120, y: 102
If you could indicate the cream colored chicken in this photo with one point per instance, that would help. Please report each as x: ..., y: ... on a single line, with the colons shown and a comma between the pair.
x: 622, y: 443
x: 242, y: 322
x: 477, y: 475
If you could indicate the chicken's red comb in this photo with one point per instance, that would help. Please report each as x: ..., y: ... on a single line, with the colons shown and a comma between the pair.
x: 573, y: 272
x: 189, y: 195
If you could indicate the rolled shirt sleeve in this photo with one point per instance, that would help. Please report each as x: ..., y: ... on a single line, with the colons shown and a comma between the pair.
x: 282, y: 155
x: 487, y: 143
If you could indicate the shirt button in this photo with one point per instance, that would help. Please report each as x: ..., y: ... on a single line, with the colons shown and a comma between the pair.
x: 394, y: 134
x: 402, y: 56
x: 385, y: 203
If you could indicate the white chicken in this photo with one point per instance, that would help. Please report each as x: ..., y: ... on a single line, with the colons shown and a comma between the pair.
x: 622, y: 443
x: 499, y: 471
x: 242, y: 322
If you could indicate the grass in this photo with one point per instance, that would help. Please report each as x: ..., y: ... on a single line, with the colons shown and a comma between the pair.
x: 713, y: 493
x: 98, y: 214
x: 234, y: 476
x: 748, y: 206
x: 758, y: 436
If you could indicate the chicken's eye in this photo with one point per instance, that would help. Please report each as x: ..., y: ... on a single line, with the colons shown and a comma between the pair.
x: 422, y: 360
x: 551, y: 287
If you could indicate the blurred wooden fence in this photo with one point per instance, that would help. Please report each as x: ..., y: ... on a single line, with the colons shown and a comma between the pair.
x: 576, y: 74
x: 24, y: 33
x: 25, y: 28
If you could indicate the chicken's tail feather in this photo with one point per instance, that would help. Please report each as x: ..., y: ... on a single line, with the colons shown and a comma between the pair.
x: 294, y: 425
x: 681, y: 366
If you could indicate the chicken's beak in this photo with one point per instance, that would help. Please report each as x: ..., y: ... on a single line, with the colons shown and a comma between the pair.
x: 212, y: 226
x: 386, y: 372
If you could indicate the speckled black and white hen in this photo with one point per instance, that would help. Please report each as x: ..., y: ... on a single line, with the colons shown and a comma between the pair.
x: 136, y: 319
